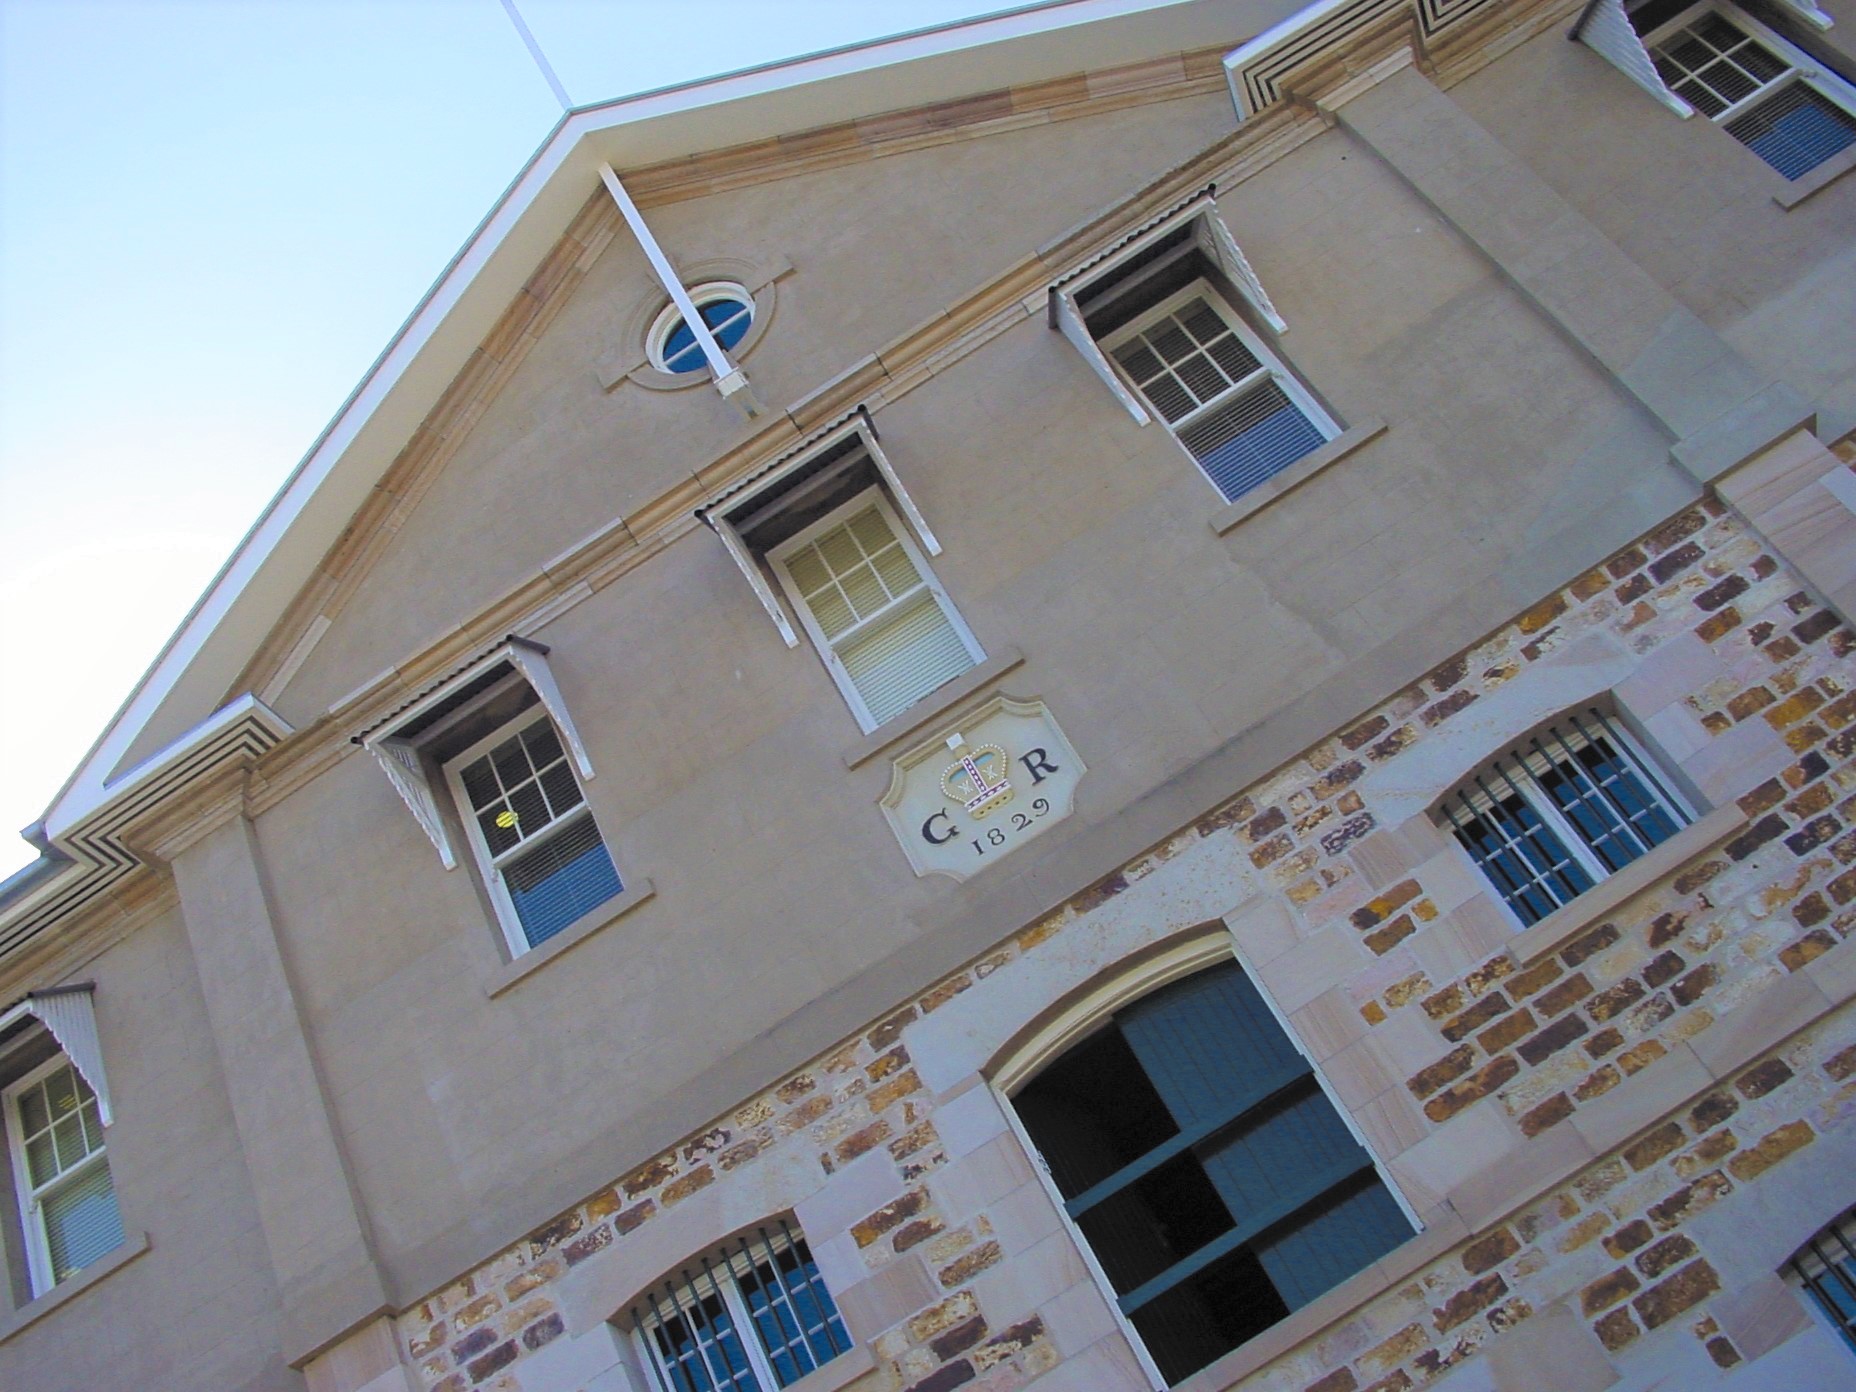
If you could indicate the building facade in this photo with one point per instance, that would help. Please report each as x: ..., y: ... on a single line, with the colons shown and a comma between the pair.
x: 1136, y: 695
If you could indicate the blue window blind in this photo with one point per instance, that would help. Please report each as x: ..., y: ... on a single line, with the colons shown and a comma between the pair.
x: 1215, y: 1183
x: 1795, y: 131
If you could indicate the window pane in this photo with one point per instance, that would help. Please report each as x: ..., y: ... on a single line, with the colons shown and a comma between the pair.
x: 1795, y: 130
x: 1209, y: 1314
x: 1251, y: 438
x: 569, y: 874
x: 1083, y: 1141
x: 904, y: 656
x: 81, y: 1221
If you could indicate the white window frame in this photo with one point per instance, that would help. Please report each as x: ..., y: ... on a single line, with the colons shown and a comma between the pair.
x: 1651, y: 774
x: 726, y: 1271
x: 1270, y: 368
x: 1804, y: 68
x: 670, y: 316
x: 31, y: 1200
x: 825, y: 647
x: 490, y: 866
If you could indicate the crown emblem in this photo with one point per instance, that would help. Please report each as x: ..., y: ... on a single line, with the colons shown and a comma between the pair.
x: 977, y: 782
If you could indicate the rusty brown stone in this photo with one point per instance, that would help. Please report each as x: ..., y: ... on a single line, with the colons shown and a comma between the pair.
x: 1340, y: 1380
x: 1568, y: 993
x: 1608, y: 1289
x: 914, y: 1233
x: 1365, y: 732
x: 648, y: 1176
x: 557, y: 1232
x: 857, y: 1143
x: 966, y: 1267
x: 1451, y: 1066
x: 944, y: 993
x: 678, y: 1190
x: 1590, y: 944
x: 1773, y: 1147
x: 1642, y: 1154
x: 1672, y: 1251
x: 628, y: 1219
x: 1628, y: 1238
x: 1597, y: 1083
x: 1602, y: 1043
x: 1695, y: 985
x: 543, y: 1331
x: 1689, y: 1200
x: 1842, y: 1064
x: 1808, y: 948
x: 1674, y: 562
x: 1755, y: 836
x: 1238, y: 810
x: 887, y: 1033
x: 1616, y: 1330
x: 1540, y: 615
x: 1712, y: 1150
x: 1349, y: 831
x: 1450, y: 705
x: 597, y: 1240
x: 1378, y: 909
x: 1763, y: 1078
x: 1718, y: 624
x: 1444, y: 1003
x: 1471, y: 1300
x: 1625, y: 562
x: 1615, y: 999
x: 1642, y: 1055
x: 1486, y: 1253
x: 889, y: 1216
x: 1552, y: 1039
x: 1505, y: 1031
x: 1382, y: 940
x: 1541, y: 974
x: 959, y: 1339
x: 1712, y: 1110
x: 1394, y: 744
x: 1689, y: 1286
x: 1664, y: 969
x: 1716, y: 595
x: 1547, y: 1115
x: 1474, y: 1088
x: 1478, y: 1015
x: 948, y: 1375
x: 1666, y: 928
x: 897, y: 1088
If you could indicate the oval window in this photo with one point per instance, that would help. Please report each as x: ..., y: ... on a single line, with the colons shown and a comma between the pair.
x: 728, y: 310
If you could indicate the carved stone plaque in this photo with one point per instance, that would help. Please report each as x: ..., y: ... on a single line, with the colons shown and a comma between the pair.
x: 974, y: 792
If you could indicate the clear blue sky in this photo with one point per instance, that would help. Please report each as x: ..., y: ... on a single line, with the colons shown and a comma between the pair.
x: 213, y: 214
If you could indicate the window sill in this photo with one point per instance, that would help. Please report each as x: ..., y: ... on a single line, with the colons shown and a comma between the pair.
x: 843, y: 1370
x: 568, y: 938
x: 1608, y: 895
x: 1297, y: 474
x: 934, y: 704
x: 1442, y: 1231
x: 1832, y: 169
x: 12, y: 1321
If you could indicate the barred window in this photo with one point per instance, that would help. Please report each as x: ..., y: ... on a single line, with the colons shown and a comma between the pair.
x: 1562, y: 810
x: 751, y: 1317
x: 1764, y: 92
x: 1826, y: 1268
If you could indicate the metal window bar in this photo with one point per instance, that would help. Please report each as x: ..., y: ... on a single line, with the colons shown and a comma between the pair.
x: 1573, y: 805
x: 691, y: 1327
x: 1833, y: 1284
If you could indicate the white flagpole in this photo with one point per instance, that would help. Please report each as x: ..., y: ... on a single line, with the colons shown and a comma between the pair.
x: 729, y: 379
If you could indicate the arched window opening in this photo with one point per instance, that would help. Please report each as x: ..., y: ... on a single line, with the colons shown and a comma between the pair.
x: 1217, y: 1187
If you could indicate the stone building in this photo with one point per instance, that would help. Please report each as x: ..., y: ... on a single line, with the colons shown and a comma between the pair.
x: 1206, y: 737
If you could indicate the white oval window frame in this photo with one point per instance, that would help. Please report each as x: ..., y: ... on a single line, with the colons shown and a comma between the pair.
x: 670, y: 316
